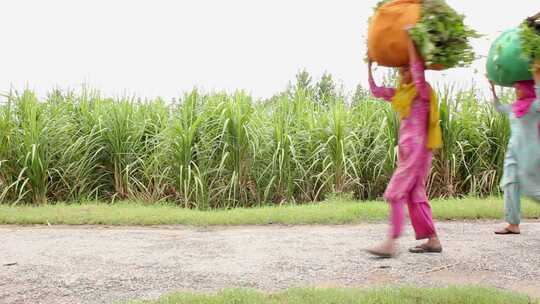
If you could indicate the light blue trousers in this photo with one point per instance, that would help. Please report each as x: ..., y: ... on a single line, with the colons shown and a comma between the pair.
x: 512, y: 201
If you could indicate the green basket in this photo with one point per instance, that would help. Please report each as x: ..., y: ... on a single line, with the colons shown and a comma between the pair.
x: 505, y: 63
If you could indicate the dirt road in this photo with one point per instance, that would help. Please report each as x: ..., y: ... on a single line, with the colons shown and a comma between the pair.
x: 106, y: 265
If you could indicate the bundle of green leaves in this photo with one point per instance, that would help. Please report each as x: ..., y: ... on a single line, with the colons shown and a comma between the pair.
x: 441, y: 35
x: 530, y: 36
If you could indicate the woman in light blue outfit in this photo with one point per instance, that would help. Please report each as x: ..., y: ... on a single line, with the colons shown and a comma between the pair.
x: 522, y: 161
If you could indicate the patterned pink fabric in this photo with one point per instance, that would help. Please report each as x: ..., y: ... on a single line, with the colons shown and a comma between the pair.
x: 522, y: 106
x: 420, y: 215
x: 381, y: 92
x: 408, y: 184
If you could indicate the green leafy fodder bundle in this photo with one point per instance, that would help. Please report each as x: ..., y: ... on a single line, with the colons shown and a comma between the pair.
x: 530, y: 36
x: 442, y: 37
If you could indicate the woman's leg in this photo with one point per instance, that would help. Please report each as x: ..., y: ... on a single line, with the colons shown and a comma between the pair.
x: 397, y: 203
x: 420, y: 210
x: 512, y: 204
x: 397, y: 194
x: 397, y: 218
x: 512, y: 208
x: 422, y: 220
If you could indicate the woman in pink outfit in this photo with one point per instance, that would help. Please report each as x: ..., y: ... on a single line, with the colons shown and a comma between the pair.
x: 408, y: 184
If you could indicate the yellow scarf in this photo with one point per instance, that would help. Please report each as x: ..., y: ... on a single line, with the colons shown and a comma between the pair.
x: 402, y: 102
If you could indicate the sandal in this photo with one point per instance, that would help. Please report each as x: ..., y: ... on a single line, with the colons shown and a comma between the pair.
x: 425, y: 249
x: 506, y: 231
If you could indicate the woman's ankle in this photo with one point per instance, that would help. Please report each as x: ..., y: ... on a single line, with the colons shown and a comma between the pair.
x: 434, y: 241
x: 513, y: 227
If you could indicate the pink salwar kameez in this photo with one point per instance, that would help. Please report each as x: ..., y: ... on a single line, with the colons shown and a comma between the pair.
x: 408, y: 183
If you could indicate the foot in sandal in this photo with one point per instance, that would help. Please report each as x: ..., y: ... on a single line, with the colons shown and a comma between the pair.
x: 433, y: 245
x: 509, y: 230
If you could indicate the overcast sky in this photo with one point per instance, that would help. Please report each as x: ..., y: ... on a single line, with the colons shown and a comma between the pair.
x: 164, y: 47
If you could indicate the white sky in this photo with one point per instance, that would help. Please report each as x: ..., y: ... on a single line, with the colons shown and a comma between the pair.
x: 164, y: 47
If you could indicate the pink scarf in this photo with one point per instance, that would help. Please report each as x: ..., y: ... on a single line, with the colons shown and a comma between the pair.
x: 522, y: 106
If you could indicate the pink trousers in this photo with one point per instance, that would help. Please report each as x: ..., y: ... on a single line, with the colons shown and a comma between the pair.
x: 421, y: 219
x: 408, y: 187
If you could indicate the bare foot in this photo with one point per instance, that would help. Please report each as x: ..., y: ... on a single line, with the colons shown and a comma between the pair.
x: 385, y: 250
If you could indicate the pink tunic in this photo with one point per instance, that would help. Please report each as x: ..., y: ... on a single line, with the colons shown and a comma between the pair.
x: 414, y: 159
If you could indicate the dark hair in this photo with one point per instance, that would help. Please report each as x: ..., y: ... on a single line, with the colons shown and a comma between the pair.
x: 534, y: 22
